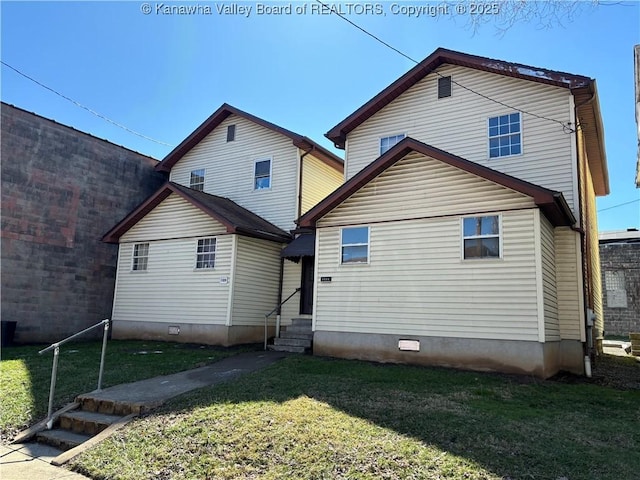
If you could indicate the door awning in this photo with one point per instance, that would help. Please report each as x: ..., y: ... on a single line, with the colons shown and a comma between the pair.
x: 303, y: 246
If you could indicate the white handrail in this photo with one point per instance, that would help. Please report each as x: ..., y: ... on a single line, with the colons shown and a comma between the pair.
x: 56, y: 352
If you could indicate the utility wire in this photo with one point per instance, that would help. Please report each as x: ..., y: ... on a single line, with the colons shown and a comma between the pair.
x: 619, y: 205
x: 78, y: 104
x: 566, y: 126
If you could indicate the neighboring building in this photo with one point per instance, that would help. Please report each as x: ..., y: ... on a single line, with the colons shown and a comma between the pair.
x: 620, y: 265
x: 200, y: 260
x: 61, y: 190
x: 466, y: 231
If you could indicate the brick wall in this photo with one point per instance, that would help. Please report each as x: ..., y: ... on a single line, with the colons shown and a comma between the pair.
x: 61, y: 191
x: 625, y: 258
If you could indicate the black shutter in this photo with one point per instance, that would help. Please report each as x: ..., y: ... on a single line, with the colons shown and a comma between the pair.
x: 444, y: 87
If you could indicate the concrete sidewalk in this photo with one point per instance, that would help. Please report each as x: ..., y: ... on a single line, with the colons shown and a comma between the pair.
x: 31, y: 461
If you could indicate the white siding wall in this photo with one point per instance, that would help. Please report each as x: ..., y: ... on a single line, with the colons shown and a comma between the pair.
x: 419, y: 186
x: 171, y: 290
x: 318, y: 181
x: 291, y: 281
x: 257, y: 274
x: 551, y: 325
x: 417, y: 284
x: 230, y: 169
x: 568, y: 273
x: 458, y: 124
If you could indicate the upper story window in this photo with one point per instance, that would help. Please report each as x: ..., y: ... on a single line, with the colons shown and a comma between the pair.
x: 262, y: 174
x: 140, y: 256
x: 444, y: 87
x: 197, y: 179
x: 387, y: 142
x: 231, y: 133
x: 505, y: 135
x: 355, y: 245
x: 481, y: 237
x: 206, y: 253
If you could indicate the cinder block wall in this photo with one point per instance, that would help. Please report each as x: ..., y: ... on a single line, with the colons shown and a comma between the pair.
x: 623, y: 257
x: 61, y: 191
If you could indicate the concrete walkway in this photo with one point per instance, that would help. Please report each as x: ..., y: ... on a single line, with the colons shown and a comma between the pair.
x: 31, y: 461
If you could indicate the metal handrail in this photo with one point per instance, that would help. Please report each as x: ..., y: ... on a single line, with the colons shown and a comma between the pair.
x: 276, y: 309
x: 56, y: 352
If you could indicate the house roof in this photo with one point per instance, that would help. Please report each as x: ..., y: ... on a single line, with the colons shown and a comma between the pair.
x: 552, y: 203
x: 235, y: 218
x: 300, y: 141
x: 583, y: 88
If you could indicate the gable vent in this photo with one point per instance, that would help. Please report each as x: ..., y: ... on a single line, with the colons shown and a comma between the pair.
x: 231, y: 133
x: 444, y: 87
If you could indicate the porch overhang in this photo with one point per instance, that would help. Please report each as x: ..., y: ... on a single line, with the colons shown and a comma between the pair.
x: 303, y: 246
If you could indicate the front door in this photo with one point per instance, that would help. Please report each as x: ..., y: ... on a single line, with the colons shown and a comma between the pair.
x: 306, y: 292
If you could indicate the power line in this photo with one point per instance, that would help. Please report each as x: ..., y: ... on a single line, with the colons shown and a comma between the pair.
x: 78, y: 104
x: 619, y: 205
x: 566, y: 126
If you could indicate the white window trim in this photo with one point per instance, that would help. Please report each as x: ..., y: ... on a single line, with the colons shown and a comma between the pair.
x: 253, y: 174
x: 500, y: 238
x: 133, y: 257
x: 215, y: 256
x: 404, y: 135
x: 204, y: 177
x: 368, y: 244
x: 486, y: 131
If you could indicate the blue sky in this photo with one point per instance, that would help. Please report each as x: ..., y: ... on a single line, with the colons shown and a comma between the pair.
x: 162, y: 75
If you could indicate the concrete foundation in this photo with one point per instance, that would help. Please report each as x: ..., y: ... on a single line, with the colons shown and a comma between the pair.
x: 190, y: 333
x: 531, y: 358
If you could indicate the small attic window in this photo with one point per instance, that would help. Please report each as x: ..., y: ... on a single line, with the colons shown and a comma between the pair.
x: 444, y: 87
x: 231, y: 133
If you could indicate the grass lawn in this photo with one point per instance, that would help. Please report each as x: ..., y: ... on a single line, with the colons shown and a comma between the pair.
x: 25, y: 376
x: 315, y: 418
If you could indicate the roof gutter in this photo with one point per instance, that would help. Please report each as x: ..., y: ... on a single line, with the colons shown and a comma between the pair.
x: 300, y: 179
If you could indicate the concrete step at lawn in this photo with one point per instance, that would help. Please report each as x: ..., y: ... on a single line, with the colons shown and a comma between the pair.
x: 89, y: 423
x: 288, y: 348
x: 293, y: 342
x: 62, y: 439
x: 88, y: 403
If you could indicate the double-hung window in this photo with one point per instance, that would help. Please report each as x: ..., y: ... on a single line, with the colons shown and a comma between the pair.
x: 355, y: 245
x: 206, y: 253
x: 505, y: 135
x: 140, y: 256
x: 387, y: 142
x: 262, y: 174
x: 196, y: 180
x: 481, y: 237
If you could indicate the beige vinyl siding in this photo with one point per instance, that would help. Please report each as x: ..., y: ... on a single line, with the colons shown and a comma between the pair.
x: 594, y: 252
x: 291, y: 280
x: 417, y: 284
x: 568, y: 273
x: 257, y: 274
x: 318, y: 181
x: 551, y: 325
x: 458, y: 125
x: 230, y: 169
x: 419, y: 186
x: 174, y: 217
x: 171, y: 290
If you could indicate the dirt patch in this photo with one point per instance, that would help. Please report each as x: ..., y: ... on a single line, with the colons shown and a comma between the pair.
x: 622, y: 373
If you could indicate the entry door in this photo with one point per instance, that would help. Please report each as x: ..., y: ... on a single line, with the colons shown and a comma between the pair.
x: 306, y: 292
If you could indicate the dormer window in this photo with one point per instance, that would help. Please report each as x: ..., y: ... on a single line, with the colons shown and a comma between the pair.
x: 262, y: 174
x: 387, y: 142
x: 196, y: 181
x: 231, y: 133
x: 444, y: 87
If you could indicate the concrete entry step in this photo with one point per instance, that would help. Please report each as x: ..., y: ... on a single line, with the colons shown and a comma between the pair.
x: 89, y: 423
x: 62, y: 439
x: 297, y: 329
x: 292, y: 342
x: 301, y: 336
x: 301, y: 322
x: 287, y: 348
